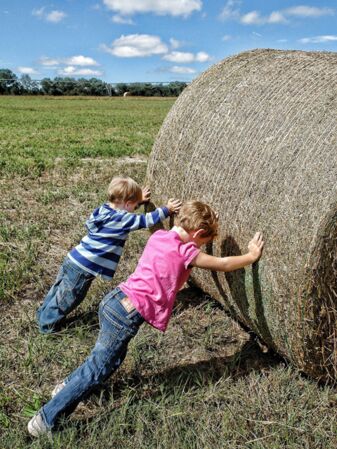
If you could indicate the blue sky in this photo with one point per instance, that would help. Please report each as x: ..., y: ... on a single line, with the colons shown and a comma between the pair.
x: 153, y: 40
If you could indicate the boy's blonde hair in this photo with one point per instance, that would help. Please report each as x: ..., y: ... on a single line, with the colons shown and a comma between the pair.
x: 195, y: 215
x: 124, y: 189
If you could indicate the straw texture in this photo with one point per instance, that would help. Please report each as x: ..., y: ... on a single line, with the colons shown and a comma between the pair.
x: 255, y: 137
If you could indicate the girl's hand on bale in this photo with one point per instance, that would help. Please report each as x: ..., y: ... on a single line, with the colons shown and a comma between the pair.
x: 146, y: 195
x: 255, y: 246
x: 173, y: 206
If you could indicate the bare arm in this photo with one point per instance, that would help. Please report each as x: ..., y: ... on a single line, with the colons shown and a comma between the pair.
x: 231, y: 263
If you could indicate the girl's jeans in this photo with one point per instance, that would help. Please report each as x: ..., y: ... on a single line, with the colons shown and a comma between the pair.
x: 117, y: 327
x: 70, y: 288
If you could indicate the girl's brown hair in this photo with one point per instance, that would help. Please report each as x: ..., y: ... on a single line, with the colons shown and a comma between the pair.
x: 195, y: 215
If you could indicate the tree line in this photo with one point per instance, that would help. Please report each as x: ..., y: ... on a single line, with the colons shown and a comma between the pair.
x: 10, y: 84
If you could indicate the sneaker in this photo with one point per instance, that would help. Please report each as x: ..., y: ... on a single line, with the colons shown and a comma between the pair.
x: 37, y: 427
x: 57, y: 389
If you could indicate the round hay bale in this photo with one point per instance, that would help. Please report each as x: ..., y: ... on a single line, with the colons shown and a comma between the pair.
x: 255, y: 137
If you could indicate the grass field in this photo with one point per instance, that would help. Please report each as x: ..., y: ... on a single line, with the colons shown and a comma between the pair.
x: 205, y: 384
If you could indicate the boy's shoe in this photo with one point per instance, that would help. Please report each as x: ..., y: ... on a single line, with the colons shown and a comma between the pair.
x: 57, y: 389
x: 37, y: 427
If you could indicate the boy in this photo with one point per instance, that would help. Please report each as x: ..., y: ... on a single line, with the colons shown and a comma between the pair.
x: 99, y: 251
x: 148, y: 295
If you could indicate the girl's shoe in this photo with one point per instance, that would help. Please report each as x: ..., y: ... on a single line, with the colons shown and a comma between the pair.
x: 37, y: 427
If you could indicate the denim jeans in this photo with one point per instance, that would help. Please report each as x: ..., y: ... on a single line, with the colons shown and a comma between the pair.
x: 70, y: 288
x: 117, y: 327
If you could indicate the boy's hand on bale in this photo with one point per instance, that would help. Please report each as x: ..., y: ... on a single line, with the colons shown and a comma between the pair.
x: 255, y: 246
x: 146, y: 195
x: 173, y: 206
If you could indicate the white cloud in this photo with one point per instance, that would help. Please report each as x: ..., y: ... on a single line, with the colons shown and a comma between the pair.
x: 55, y: 16
x: 318, y: 39
x: 73, y: 61
x: 309, y: 11
x: 81, y: 60
x: 179, y: 56
x: 255, y: 18
x: 136, y: 45
x: 74, y: 71
x: 122, y: 20
x: 181, y: 70
x: 186, y: 57
x: 27, y: 71
x: 39, y: 12
x: 175, y: 43
x: 251, y: 18
x: 161, y: 7
x: 48, y: 62
x: 226, y: 37
x: 52, y: 16
x: 232, y: 11
x: 202, y: 56
x: 276, y: 17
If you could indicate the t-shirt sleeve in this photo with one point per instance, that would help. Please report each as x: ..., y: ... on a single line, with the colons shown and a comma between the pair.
x: 189, y: 252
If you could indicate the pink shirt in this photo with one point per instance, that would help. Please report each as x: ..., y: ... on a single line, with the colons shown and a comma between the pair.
x: 161, y: 272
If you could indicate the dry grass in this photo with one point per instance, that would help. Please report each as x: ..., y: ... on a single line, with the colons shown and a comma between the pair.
x: 205, y: 384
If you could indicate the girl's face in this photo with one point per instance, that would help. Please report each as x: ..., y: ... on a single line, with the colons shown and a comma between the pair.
x: 200, y: 240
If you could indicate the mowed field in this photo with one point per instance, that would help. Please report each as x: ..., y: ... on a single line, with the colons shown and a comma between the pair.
x: 204, y: 384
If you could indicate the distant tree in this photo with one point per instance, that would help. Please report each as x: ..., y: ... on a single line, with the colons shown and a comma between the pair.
x: 175, y: 88
x: 29, y: 86
x: 121, y: 88
x: 51, y: 87
x: 9, y: 82
x: 98, y: 87
x: 46, y: 85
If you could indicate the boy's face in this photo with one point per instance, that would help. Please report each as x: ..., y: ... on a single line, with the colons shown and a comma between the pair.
x: 131, y: 206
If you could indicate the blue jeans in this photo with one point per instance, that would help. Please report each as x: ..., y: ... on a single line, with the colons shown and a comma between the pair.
x: 117, y: 327
x: 70, y: 288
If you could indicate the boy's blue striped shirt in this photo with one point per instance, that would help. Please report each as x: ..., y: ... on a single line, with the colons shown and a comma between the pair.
x: 99, y: 251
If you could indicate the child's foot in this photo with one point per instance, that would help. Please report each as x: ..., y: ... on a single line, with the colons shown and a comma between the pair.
x: 57, y: 389
x: 37, y: 427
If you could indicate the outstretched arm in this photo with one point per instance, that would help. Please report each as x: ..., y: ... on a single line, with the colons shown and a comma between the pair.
x: 231, y: 263
x: 132, y: 222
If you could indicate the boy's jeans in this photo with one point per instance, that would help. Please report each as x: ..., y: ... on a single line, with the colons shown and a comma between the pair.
x: 117, y: 327
x: 71, y: 286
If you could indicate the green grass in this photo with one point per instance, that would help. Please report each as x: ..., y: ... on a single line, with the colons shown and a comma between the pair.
x: 204, y: 384
x: 34, y: 131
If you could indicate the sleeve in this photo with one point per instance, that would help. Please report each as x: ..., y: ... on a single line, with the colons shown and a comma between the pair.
x: 189, y: 252
x: 132, y: 222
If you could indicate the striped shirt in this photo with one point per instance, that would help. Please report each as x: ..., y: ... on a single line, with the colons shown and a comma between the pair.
x: 100, y: 250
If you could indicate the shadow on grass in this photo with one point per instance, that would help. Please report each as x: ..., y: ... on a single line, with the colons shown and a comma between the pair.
x: 86, y: 319
x: 189, y: 376
x: 185, y: 376
x: 252, y: 356
x: 249, y: 358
